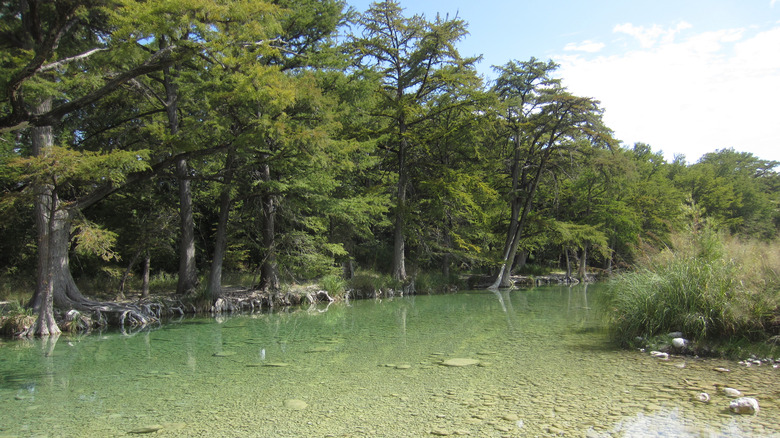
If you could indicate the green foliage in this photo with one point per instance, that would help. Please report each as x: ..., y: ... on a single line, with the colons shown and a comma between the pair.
x: 92, y: 239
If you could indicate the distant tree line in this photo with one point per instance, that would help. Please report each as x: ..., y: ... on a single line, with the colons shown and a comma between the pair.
x: 300, y: 138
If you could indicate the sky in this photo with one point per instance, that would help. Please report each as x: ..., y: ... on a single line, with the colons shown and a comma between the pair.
x: 686, y: 77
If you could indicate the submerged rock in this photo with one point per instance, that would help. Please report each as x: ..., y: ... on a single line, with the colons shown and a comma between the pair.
x: 459, y: 362
x: 294, y: 404
x: 731, y: 392
x: 146, y: 429
x: 679, y: 342
x: 703, y: 397
x: 744, y: 405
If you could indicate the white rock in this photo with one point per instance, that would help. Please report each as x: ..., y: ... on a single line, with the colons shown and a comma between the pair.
x: 703, y: 397
x: 659, y: 354
x: 731, y: 392
x: 744, y: 405
x: 679, y: 342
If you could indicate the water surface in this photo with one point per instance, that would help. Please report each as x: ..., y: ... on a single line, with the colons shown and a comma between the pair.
x: 372, y: 368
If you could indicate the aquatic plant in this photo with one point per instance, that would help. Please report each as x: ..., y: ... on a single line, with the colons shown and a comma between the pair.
x: 335, y: 285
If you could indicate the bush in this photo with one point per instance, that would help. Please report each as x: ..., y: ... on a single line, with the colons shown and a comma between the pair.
x: 435, y: 282
x: 367, y: 283
x: 706, y: 287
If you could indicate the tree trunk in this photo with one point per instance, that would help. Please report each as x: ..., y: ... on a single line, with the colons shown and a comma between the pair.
x: 526, y: 201
x: 520, y: 260
x: 269, y: 271
x: 46, y: 204
x: 399, y: 241
x: 214, y: 287
x: 583, y: 263
x: 188, y: 274
x: 568, y: 264
x: 188, y: 271
x: 145, y: 285
x: 54, y: 282
x: 514, y: 215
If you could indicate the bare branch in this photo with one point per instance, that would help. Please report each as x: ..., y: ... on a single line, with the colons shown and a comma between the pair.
x: 60, y: 63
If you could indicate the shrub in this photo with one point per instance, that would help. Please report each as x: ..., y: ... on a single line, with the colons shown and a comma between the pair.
x: 367, y: 283
x: 435, y: 282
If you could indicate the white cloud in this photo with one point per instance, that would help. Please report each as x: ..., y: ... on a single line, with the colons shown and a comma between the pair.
x: 585, y: 46
x: 648, y: 37
x: 709, y: 91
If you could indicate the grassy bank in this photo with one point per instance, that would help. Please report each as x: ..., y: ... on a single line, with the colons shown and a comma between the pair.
x: 721, y: 292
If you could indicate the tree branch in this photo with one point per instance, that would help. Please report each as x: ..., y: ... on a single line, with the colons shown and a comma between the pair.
x: 107, y: 189
x: 62, y: 62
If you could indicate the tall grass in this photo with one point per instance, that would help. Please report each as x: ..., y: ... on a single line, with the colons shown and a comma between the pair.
x: 709, y: 287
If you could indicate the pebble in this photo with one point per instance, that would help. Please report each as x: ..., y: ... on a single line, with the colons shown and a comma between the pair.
x: 440, y: 432
x: 459, y: 362
x: 731, y: 392
x: 510, y: 417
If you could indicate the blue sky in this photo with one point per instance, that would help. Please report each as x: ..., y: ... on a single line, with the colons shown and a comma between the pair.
x: 685, y: 76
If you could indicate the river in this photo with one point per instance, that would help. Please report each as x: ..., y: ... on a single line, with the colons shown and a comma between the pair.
x: 541, y: 365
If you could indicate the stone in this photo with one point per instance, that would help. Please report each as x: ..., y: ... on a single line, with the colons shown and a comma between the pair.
x: 744, y: 405
x: 731, y: 392
x: 294, y: 404
x: 459, y: 362
x: 403, y: 366
x: 703, y: 397
x: 721, y: 370
x: 679, y: 342
x: 510, y: 417
x: 440, y: 432
x: 660, y: 355
x: 146, y: 429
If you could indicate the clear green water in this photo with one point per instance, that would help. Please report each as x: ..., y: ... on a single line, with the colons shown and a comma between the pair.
x: 371, y: 368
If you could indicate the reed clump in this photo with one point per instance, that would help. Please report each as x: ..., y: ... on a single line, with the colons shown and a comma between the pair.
x: 708, y: 286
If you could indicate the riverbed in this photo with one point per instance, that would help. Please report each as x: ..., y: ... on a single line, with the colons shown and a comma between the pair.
x: 532, y: 363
